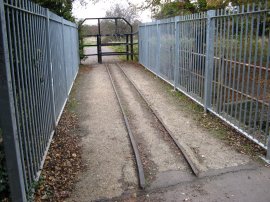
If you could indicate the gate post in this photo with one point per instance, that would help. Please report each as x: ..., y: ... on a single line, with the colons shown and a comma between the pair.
x: 8, y: 119
x: 99, y: 49
x: 209, y: 64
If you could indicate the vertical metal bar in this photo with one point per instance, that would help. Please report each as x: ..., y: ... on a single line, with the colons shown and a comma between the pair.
x: 201, y: 52
x: 264, y: 112
x: 35, y: 73
x: 99, y: 29
x: 176, y: 64
x: 25, y: 89
x: 244, y: 68
x: 8, y: 119
x: 11, y: 55
x: 64, y: 54
x: 249, y: 63
x: 225, y: 97
x: 216, y: 72
x: 42, y: 102
x: 20, y: 79
x: 99, y: 43
x: 230, y: 70
x: 159, y: 47
x: 209, y: 59
x: 99, y: 49
x: 234, y: 68
x: 132, y: 44
x: 258, y: 19
x: 49, y: 58
x: 204, y: 53
x: 127, y: 47
x: 181, y: 36
x: 260, y: 77
x: 222, y: 58
x: 239, y: 65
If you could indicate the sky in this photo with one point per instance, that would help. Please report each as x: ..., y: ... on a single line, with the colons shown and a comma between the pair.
x: 99, y: 9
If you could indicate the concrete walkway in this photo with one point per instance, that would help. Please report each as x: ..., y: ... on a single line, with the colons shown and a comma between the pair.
x: 110, y: 173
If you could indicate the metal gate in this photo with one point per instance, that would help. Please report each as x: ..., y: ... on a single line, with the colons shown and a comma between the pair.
x: 128, y: 37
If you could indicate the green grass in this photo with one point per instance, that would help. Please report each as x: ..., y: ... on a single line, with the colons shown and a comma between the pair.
x: 123, y: 49
x: 89, y: 41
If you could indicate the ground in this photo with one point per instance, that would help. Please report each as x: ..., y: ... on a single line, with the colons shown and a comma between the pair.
x: 226, y: 162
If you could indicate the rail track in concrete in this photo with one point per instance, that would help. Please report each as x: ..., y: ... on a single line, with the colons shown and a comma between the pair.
x: 151, y: 141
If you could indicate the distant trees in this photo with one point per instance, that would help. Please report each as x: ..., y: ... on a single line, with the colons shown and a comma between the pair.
x: 168, y: 8
x: 129, y: 13
x: 60, y: 7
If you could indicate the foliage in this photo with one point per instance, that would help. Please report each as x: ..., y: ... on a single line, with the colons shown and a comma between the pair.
x: 60, y: 7
x: 170, y: 9
x: 81, y: 33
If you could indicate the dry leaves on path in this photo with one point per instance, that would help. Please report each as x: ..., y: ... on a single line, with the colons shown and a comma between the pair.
x: 63, y: 162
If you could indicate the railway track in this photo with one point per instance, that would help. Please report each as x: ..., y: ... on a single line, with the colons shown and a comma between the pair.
x: 161, y: 138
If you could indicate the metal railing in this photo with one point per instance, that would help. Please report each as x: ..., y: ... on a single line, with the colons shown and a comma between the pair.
x: 39, y: 62
x: 220, y: 59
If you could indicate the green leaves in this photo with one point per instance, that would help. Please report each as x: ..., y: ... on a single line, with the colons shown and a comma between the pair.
x: 60, y: 7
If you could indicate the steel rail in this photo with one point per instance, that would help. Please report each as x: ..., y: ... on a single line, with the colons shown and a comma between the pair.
x: 193, y: 167
x: 131, y: 136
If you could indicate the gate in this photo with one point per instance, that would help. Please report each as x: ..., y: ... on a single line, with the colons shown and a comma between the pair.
x: 100, y: 36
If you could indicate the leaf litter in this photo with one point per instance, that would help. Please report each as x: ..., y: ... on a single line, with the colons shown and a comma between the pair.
x: 63, y: 162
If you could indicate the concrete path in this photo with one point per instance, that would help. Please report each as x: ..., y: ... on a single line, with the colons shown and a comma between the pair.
x: 110, y: 173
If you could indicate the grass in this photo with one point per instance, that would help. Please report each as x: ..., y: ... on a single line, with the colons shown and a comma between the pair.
x: 89, y: 41
x: 123, y: 49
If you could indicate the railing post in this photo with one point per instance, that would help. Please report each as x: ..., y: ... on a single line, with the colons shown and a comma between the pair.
x: 8, y: 119
x: 64, y: 61
x: 176, y: 59
x: 209, y: 64
x: 50, y: 70
x: 158, y: 48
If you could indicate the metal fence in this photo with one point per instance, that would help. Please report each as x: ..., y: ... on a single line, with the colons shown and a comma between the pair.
x: 220, y: 59
x: 39, y: 61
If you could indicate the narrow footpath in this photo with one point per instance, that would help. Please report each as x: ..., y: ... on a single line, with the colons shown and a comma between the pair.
x: 171, y: 144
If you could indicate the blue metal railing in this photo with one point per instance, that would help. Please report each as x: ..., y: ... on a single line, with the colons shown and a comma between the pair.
x: 39, y: 62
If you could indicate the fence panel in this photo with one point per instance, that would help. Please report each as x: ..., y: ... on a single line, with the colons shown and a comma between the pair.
x: 39, y: 53
x: 241, y: 86
x: 220, y: 59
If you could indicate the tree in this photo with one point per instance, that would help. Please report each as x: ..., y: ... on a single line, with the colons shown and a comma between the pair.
x: 60, y: 7
x: 129, y: 13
